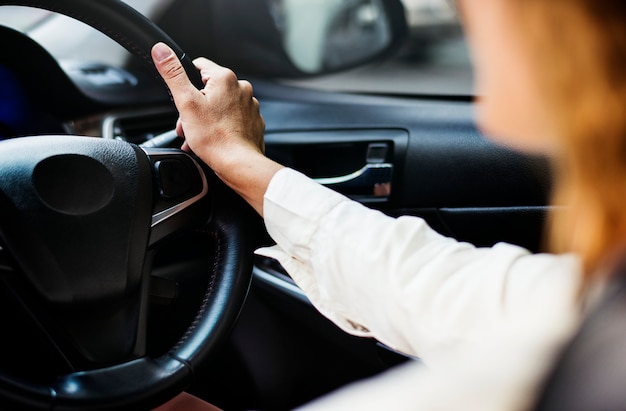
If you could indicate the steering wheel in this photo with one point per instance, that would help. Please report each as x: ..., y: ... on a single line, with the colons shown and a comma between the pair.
x: 81, y: 218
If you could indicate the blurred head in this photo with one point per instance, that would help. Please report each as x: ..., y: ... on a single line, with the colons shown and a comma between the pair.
x: 551, y: 78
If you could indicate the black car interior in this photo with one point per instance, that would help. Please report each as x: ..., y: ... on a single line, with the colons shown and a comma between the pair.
x: 403, y: 155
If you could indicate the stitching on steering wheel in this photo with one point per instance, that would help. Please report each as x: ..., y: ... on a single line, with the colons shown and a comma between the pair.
x: 209, y: 290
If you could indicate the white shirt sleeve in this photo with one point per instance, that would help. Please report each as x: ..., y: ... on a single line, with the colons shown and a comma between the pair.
x: 397, y: 280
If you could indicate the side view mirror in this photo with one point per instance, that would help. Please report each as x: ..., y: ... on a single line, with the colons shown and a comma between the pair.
x: 287, y: 38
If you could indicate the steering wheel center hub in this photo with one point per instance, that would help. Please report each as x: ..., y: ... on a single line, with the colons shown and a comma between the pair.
x: 83, y: 207
x: 73, y: 184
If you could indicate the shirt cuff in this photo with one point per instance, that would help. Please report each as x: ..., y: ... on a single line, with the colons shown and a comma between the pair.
x: 293, y: 207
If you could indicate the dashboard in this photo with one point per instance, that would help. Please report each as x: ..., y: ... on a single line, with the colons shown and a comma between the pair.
x: 40, y: 94
x: 19, y: 115
x: 12, y: 101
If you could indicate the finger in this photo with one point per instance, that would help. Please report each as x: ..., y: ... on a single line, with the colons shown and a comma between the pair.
x: 169, y: 67
x: 203, y: 63
x: 179, y: 128
x: 246, y: 89
x: 211, y: 70
x: 206, y: 67
x: 205, y: 76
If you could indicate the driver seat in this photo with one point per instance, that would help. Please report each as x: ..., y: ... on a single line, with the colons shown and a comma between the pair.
x: 591, y: 373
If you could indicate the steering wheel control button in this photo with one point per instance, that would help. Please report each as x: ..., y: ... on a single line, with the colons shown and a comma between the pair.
x: 174, y: 178
x: 73, y: 184
x: 180, y: 182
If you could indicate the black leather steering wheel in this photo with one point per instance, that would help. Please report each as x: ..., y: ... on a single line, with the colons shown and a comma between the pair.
x: 79, y: 221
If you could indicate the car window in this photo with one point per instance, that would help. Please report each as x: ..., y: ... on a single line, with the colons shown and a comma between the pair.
x: 433, y: 61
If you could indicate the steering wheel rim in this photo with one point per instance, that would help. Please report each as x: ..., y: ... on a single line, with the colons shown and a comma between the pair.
x: 144, y: 382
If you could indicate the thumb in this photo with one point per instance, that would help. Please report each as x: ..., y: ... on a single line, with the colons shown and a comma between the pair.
x: 170, y: 68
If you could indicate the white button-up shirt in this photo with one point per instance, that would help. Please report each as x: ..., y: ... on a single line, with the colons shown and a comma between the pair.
x: 485, y: 321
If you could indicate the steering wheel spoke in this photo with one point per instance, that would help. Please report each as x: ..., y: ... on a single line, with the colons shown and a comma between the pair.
x: 181, y: 195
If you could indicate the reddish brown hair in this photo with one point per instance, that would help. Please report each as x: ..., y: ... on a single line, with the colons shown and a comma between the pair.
x: 579, y: 48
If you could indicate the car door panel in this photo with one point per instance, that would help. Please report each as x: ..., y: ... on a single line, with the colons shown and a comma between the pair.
x: 444, y: 169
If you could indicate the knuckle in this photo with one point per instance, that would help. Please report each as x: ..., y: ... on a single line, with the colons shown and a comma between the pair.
x: 227, y: 75
x: 171, y: 68
x: 246, y: 87
x: 174, y: 70
x: 261, y: 122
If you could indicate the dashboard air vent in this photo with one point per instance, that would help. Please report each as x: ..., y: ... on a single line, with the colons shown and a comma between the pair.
x: 139, y: 126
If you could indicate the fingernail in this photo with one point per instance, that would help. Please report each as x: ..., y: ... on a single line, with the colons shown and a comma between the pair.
x: 161, y: 51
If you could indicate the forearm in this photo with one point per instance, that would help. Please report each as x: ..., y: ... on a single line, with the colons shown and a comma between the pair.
x: 248, y: 173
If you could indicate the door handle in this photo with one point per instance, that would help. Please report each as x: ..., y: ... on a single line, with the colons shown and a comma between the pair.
x: 372, y: 181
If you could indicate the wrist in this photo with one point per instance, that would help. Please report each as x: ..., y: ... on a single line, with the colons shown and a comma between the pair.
x: 247, y: 171
x: 228, y: 160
